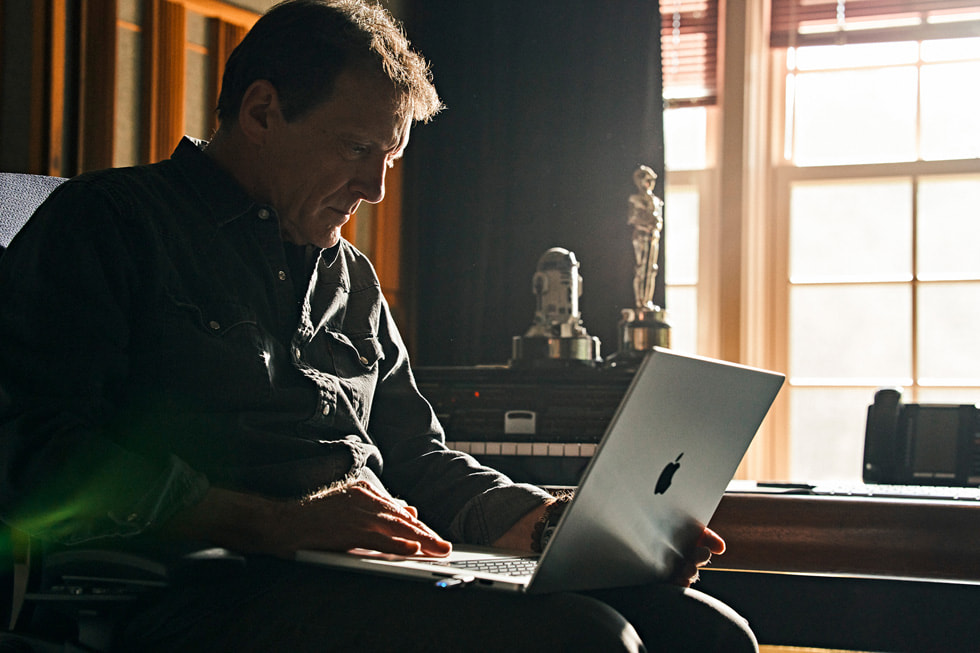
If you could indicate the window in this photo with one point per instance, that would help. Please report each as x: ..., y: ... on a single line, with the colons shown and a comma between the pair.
x: 878, y: 190
x: 870, y: 186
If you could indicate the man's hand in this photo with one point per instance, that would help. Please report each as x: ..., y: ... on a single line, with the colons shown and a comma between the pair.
x: 708, y: 543
x: 355, y: 516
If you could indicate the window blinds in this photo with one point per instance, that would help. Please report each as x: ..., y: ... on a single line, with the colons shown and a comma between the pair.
x: 825, y: 22
x: 689, y: 33
x: 689, y: 44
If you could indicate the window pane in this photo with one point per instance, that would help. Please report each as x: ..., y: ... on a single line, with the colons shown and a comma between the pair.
x: 126, y: 148
x: 855, y: 116
x: 198, y: 115
x: 682, y: 314
x: 948, y: 395
x: 856, y: 55
x: 950, y: 49
x: 685, y: 138
x: 950, y: 103
x: 681, y: 212
x: 828, y: 433
x: 857, y: 231
x: 851, y: 333
x: 130, y: 11
x: 948, y: 228
x: 949, y: 349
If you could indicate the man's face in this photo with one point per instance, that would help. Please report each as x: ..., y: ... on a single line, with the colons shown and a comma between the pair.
x: 320, y: 167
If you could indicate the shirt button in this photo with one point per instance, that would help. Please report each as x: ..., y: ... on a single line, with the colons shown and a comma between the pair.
x: 214, y: 325
x: 296, y: 352
x: 326, y: 409
x: 264, y: 214
x: 282, y: 275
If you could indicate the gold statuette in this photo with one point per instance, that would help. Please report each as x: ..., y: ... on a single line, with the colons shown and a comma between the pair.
x: 644, y: 326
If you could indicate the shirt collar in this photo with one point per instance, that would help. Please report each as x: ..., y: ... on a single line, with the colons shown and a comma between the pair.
x: 224, y: 196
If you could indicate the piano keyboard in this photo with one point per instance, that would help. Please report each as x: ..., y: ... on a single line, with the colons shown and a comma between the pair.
x: 549, y: 449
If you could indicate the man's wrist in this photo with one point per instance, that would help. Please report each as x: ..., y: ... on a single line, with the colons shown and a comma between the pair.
x: 232, y: 519
x: 545, y: 526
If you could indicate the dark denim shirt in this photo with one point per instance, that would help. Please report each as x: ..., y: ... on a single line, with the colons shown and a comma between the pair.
x: 152, y: 345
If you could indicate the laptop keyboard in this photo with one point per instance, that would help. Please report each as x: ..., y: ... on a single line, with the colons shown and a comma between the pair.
x: 503, y: 566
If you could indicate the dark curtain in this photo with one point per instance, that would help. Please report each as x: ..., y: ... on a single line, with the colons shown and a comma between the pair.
x: 551, y: 106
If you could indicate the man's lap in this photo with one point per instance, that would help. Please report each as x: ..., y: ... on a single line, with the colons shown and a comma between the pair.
x: 278, y: 605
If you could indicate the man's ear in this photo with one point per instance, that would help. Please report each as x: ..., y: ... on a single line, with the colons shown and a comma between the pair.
x: 259, y: 111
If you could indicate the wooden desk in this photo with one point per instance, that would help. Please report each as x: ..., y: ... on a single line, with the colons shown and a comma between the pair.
x: 851, y: 573
x: 837, y: 535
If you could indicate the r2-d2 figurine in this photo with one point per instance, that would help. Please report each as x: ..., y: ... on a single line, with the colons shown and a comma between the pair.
x: 556, y: 336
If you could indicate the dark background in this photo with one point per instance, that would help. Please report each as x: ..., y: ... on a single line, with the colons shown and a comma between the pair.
x: 551, y: 106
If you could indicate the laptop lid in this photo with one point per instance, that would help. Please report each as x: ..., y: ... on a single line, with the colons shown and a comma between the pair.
x: 659, y: 473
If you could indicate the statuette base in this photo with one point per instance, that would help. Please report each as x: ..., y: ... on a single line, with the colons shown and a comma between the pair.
x: 542, y: 351
x: 642, y: 329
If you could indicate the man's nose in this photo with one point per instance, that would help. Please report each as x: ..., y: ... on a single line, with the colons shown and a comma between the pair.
x: 369, y: 182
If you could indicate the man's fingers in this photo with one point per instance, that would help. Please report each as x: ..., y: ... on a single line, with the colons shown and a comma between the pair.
x: 412, y: 530
x: 394, y: 545
x: 702, y: 556
x: 712, y: 541
x: 686, y: 575
x: 394, y: 521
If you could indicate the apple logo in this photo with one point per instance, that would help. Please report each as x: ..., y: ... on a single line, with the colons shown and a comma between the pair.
x: 667, y: 475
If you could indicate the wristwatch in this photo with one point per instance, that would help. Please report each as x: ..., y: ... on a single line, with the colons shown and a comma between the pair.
x: 545, y: 527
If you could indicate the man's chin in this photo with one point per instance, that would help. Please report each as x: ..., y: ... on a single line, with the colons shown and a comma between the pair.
x: 322, y: 235
x: 328, y: 240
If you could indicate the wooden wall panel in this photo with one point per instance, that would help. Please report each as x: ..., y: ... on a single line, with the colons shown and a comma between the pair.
x: 57, y: 29
x: 224, y: 36
x: 387, y: 239
x: 37, y: 131
x: 164, y: 61
x: 97, y: 83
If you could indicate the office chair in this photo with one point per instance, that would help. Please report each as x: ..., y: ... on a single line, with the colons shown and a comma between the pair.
x: 20, y: 195
x: 76, y: 599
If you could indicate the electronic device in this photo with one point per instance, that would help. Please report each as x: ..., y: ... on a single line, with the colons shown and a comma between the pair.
x: 536, y: 425
x: 657, y: 477
x: 921, y: 444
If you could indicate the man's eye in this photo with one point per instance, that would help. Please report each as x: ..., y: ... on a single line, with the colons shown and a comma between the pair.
x: 358, y: 150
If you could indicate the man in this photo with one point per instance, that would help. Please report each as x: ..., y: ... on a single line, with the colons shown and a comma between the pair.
x: 192, y: 351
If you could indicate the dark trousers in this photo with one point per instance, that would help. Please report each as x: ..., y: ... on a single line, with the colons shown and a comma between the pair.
x: 275, y: 605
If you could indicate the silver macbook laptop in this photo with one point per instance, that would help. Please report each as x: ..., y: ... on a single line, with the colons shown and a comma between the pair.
x: 655, y: 480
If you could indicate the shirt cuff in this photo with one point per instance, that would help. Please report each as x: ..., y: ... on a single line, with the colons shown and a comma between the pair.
x: 487, y: 516
x: 176, y: 488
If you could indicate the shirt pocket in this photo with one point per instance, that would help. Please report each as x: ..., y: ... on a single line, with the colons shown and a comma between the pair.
x: 219, y: 319
x: 369, y: 350
x: 350, y: 356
